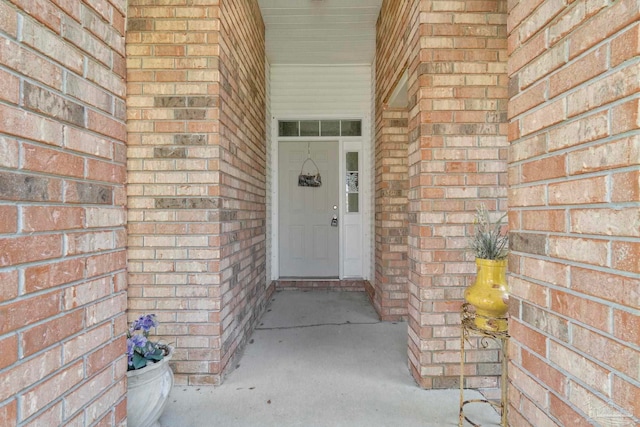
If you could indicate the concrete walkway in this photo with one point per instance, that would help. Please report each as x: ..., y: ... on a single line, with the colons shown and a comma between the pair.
x: 321, y: 359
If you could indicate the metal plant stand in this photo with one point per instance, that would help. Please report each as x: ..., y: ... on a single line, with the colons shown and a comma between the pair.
x: 468, y: 328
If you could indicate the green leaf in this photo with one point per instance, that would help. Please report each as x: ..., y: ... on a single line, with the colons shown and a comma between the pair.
x: 488, y: 242
x: 139, y: 361
x: 157, y: 355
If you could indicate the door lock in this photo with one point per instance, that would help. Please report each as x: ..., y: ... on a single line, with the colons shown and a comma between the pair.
x: 334, y: 221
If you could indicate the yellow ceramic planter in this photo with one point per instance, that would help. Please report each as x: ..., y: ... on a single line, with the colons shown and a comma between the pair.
x: 489, y: 294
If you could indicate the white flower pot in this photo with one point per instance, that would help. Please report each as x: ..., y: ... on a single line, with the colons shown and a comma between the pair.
x: 147, y: 392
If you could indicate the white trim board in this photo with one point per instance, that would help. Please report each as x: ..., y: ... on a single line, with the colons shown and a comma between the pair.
x: 346, y: 144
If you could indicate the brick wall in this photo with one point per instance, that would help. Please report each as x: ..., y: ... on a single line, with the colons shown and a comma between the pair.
x: 62, y: 236
x: 457, y: 159
x: 396, y: 38
x: 573, y: 200
x: 391, y: 223
x: 173, y: 83
x: 455, y: 54
x: 243, y: 154
x: 196, y: 176
x: 396, y: 31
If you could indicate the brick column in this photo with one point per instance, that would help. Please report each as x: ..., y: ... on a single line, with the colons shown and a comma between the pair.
x: 455, y: 54
x: 173, y: 109
x: 62, y: 216
x: 574, y: 213
x: 196, y: 177
x: 457, y: 159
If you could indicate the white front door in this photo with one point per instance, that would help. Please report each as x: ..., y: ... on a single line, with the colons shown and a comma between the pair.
x: 309, y: 242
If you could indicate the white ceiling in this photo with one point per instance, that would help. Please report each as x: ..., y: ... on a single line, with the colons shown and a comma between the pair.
x: 320, y: 31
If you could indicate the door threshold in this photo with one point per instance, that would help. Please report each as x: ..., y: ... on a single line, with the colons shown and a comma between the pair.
x: 335, y: 284
x: 311, y: 279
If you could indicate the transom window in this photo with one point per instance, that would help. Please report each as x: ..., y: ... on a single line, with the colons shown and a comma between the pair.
x: 320, y: 128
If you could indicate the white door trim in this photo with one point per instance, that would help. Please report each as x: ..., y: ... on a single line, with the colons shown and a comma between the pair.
x: 365, y: 187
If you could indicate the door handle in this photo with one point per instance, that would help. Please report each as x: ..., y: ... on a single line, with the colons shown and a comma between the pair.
x: 334, y: 221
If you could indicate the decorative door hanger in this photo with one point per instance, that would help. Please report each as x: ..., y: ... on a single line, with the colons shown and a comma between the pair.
x: 309, y: 179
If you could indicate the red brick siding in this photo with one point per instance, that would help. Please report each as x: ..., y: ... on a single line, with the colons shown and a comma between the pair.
x: 173, y: 175
x: 391, y: 223
x: 242, y: 173
x: 455, y: 53
x: 457, y: 159
x: 62, y: 196
x: 396, y: 48
x: 574, y: 217
x: 196, y: 177
x: 395, y: 37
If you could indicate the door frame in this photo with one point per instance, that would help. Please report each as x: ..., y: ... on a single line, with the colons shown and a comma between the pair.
x: 366, y: 202
x: 331, y: 185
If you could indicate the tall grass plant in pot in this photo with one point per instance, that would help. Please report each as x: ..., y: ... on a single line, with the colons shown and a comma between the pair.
x: 489, y: 294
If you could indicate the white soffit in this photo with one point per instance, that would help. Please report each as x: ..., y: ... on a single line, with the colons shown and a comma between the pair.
x: 320, y: 31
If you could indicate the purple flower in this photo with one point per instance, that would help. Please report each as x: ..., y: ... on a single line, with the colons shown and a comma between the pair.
x: 138, y: 340
x: 145, y: 323
x: 130, y: 351
x: 140, y: 350
x: 132, y: 343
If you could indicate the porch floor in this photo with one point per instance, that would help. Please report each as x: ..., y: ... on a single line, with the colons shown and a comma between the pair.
x: 321, y: 358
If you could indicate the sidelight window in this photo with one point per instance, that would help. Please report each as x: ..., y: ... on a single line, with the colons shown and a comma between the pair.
x: 352, y: 181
